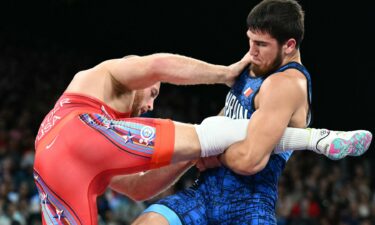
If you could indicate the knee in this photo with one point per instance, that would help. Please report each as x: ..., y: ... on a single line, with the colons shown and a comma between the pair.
x: 150, y: 218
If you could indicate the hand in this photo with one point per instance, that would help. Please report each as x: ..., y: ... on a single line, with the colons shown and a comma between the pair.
x: 237, y: 68
x: 207, y: 163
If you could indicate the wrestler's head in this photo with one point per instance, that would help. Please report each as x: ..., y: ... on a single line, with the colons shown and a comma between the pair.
x: 144, y: 100
x: 275, y: 31
x: 266, y: 54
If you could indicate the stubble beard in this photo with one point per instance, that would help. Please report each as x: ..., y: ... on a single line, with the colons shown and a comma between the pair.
x: 258, y: 71
x: 136, y: 107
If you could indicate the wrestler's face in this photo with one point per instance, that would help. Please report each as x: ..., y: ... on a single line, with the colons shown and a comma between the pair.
x: 265, y: 53
x: 144, y: 100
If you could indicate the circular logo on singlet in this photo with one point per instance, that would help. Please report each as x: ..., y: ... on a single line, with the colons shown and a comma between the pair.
x: 147, y: 132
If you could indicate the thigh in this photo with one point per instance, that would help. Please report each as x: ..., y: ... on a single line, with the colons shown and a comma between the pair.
x: 186, y: 207
x: 234, y: 215
x: 231, y: 200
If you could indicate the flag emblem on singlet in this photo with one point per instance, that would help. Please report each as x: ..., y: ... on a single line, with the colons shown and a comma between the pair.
x: 132, y: 136
x: 248, y: 92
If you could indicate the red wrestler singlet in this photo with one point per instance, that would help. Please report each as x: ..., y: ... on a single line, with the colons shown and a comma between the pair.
x: 81, y: 144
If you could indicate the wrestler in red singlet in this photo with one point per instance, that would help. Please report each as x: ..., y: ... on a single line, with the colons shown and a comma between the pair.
x: 81, y: 144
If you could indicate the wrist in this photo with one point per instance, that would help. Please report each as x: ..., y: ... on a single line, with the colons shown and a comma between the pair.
x: 229, y: 75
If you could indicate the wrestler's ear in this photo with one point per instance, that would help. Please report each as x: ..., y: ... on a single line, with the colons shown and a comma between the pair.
x: 289, y: 46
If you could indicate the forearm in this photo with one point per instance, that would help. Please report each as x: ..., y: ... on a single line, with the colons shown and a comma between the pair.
x: 251, y: 155
x: 143, y: 186
x: 244, y: 163
x: 141, y: 72
x: 177, y: 69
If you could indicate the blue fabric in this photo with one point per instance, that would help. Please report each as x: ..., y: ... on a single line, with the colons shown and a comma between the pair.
x: 170, y: 215
x: 222, y: 197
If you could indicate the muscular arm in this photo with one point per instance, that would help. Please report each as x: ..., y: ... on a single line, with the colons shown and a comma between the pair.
x: 142, y: 186
x: 141, y: 72
x: 138, y: 72
x: 278, y: 99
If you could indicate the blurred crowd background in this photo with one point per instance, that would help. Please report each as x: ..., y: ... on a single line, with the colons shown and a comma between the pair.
x: 43, y: 44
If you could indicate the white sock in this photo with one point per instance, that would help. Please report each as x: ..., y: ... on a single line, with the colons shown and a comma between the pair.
x: 300, y: 139
x: 217, y: 133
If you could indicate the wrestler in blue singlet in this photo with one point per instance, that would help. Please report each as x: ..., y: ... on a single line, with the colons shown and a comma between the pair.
x: 221, y: 196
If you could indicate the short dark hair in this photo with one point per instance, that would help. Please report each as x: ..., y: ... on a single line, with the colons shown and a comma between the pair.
x: 282, y: 19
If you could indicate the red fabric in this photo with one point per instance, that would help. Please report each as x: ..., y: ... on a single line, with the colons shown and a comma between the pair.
x: 75, y: 161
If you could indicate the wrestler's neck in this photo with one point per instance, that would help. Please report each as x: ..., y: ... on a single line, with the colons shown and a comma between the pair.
x: 121, y: 103
x: 294, y: 57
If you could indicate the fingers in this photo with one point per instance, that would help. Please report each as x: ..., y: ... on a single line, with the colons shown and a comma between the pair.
x: 237, y: 68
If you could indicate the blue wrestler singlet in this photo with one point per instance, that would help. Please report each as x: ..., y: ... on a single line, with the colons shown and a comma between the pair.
x: 223, y: 197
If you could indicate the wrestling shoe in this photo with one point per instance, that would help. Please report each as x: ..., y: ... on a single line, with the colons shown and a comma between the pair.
x: 339, y: 144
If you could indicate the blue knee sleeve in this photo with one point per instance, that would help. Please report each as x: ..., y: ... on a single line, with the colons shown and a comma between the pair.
x: 163, y: 210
